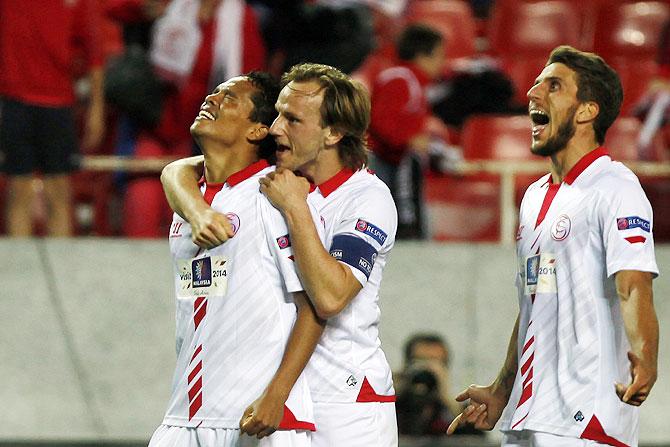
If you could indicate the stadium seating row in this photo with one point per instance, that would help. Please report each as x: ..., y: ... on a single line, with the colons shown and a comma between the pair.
x: 521, y: 33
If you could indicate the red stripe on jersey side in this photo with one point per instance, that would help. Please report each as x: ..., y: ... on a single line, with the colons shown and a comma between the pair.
x: 548, y: 198
x: 195, y: 389
x: 636, y: 239
x: 199, y: 303
x: 195, y: 406
x: 528, y: 377
x: 527, y: 392
x: 528, y: 343
x: 595, y: 432
x: 197, y: 351
x: 200, y: 314
x: 368, y: 394
x: 195, y: 371
x: 527, y: 365
x: 290, y: 422
x: 520, y: 421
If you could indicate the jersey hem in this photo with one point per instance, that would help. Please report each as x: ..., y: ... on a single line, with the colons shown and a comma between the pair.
x: 201, y: 422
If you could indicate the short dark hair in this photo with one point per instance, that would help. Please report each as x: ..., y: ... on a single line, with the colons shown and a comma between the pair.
x: 417, y: 39
x: 345, y: 107
x: 427, y: 337
x: 264, y: 99
x: 596, y: 81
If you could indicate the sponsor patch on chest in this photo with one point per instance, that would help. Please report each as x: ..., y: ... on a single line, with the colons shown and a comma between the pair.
x: 203, y: 276
x: 540, y: 274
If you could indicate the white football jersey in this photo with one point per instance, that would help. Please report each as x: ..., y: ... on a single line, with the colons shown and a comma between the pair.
x: 234, y: 310
x: 572, y: 347
x: 360, y: 223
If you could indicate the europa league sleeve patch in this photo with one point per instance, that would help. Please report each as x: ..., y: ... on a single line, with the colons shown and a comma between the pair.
x: 283, y: 242
x: 371, y: 230
x: 355, y: 252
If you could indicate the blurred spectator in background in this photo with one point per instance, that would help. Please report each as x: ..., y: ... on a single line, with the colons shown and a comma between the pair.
x: 195, y: 45
x: 332, y: 32
x: 402, y: 128
x: 40, y: 43
x: 425, y: 406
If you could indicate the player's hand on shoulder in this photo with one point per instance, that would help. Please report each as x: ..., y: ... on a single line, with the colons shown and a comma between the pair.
x: 643, y: 376
x: 284, y: 189
x: 210, y: 229
x: 263, y: 416
x: 484, y: 408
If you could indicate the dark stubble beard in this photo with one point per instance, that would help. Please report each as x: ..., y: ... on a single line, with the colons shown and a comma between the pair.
x: 558, y: 142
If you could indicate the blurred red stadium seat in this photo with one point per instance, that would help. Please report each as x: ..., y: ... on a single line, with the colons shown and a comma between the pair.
x: 533, y: 28
x: 93, y: 198
x: 522, y: 33
x: 630, y: 29
x: 468, y: 208
x: 621, y: 142
x: 453, y: 18
x: 626, y: 36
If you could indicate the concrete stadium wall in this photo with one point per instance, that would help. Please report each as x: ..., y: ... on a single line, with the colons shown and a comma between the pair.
x: 87, y: 330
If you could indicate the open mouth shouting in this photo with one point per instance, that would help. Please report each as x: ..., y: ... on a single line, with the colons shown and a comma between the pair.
x: 540, y: 120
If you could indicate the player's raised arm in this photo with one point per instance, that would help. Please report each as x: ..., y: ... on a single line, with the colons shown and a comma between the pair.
x: 264, y: 415
x: 637, y: 310
x: 180, y: 183
x: 330, y: 284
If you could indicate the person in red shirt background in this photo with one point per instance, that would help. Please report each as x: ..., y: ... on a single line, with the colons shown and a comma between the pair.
x: 402, y: 127
x: 39, y: 47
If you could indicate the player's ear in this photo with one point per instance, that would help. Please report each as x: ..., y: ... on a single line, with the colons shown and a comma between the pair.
x: 587, y: 112
x: 333, y: 136
x: 258, y: 132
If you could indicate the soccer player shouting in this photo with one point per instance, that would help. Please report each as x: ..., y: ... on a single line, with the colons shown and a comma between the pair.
x: 583, y: 354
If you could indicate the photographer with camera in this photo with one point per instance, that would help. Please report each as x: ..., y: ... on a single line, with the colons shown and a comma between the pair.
x: 424, y: 405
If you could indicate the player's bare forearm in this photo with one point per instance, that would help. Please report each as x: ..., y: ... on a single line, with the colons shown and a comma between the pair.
x: 329, y: 284
x: 486, y: 403
x: 641, y: 324
x: 180, y: 183
x: 505, y: 380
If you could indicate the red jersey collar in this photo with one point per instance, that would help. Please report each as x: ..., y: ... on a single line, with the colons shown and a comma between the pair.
x: 335, y: 181
x: 239, y: 176
x: 581, y: 165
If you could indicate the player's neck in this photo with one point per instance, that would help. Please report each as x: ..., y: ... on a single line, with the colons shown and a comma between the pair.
x: 327, y: 164
x: 219, y: 165
x: 563, y: 161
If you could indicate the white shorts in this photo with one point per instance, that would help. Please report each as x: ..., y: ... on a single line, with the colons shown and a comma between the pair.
x: 529, y: 438
x: 171, y: 436
x: 357, y: 424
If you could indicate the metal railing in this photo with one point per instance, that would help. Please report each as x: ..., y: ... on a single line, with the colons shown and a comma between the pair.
x: 506, y: 169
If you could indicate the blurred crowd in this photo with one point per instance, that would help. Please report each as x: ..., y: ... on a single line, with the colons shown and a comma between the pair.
x: 126, y: 77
